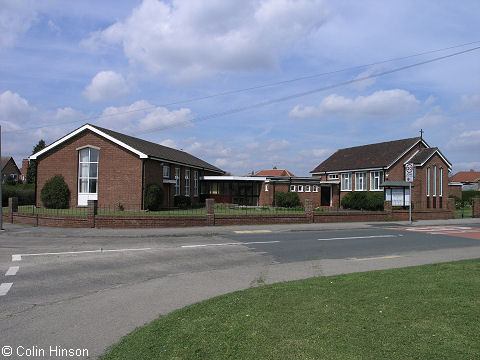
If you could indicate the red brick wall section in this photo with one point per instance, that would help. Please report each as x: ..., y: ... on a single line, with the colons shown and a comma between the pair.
x: 119, y: 171
x: 476, y: 208
x: 455, y: 190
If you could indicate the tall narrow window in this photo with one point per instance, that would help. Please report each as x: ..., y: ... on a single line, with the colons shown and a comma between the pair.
x: 440, y: 182
x: 166, y: 172
x: 434, y: 180
x: 375, y: 180
x: 360, y: 181
x: 187, y: 182
x: 195, y: 183
x: 177, y: 181
x: 347, y: 182
x: 428, y: 181
x: 88, y: 171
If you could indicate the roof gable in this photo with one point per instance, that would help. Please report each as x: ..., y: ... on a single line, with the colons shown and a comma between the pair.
x: 144, y: 149
x: 274, y: 172
x: 466, y: 176
x: 372, y: 156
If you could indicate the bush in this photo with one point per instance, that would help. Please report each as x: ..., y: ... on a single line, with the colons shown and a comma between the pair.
x: 468, y: 195
x: 182, y: 202
x: 154, y: 197
x: 363, y: 200
x: 287, y: 199
x: 24, y: 193
x: 55, y: 193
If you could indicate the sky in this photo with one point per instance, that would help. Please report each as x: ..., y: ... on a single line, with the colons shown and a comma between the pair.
x: 245, y: 85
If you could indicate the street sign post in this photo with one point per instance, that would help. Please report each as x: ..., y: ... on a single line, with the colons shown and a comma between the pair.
x: 409, y: 176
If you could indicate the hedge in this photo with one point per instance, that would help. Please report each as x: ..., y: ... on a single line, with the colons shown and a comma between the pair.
x: 154, y: 197
x: 468, y: 195
x: 287, y: 199
x: 55, y: 193
x: 363, y: 200
x: 25, y: 194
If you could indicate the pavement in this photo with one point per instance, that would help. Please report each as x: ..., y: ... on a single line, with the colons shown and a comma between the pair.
x: 84, y: 289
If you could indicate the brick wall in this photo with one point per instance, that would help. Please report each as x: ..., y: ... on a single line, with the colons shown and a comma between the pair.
x: 455, y: 190
x: 119, y: 171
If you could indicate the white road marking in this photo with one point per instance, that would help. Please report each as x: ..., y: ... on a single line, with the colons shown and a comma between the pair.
x: 252, y: 231
x: 230, y: 244
x: 12, y: 270
x: 359, y: 237
x: 378, y: 258
x: 4, y: 287
x: 18, y: 257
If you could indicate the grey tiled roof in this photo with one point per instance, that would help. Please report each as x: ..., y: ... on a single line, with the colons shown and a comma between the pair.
x: 422, y: 155
x: 366, y: 156
x: 159, y: 151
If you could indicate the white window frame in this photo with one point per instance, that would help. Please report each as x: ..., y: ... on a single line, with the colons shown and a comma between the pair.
x: 87, y: 176
x: 315, y: 188
x: 292, y: 188
x: 187, y: 182
x: 307, y: 188
x: 434, y: 180
x: 374, y: 175
x: 440, y: 182
x: 363, y: 177
x: 332, y: 176
x: 346, y: 180
x: 195, y: 183
x: 300, y: 188
x: 428, y: 181
x: 266, y: 187
x: 177, y: 182
x: 166, y: 172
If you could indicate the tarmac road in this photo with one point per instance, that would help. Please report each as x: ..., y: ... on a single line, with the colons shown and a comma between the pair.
x: 86, y: 288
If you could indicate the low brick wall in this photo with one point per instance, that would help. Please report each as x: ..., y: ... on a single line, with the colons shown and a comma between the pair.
x: 350, y: 216
x: 110, y: 221
x: 261, y: 219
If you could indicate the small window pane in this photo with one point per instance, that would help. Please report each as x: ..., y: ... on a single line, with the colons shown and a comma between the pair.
x: 84, y: 155
x: 93, y: 170
x: 93, y: 186
x: 93, y: 155
x: 83, y: 186
x: 84, y: 170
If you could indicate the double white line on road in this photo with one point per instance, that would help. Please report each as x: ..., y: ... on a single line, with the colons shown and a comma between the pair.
x: 360, y: 237
x: 18, y: 257
x: 230, y: 244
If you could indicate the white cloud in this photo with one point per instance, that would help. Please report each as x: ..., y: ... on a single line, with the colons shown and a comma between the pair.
x: 384, y: 104
x: 433, y: 117
x: 315, y: 153
x: 471, y: 101
x: 106, y: 85
x: 142, y: 116
x: 68, y: 114
x: 14, y: 111
x: 430, y: 100
x: 362, y: 85
x: 466, y: 166
x: 169, y: 143
x: 189, y: 39
x: 469, y: 139
x: 16, y: 18
x: 208, y: 149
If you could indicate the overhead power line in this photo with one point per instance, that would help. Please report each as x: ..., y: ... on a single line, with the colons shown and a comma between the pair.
x: 278, y: 83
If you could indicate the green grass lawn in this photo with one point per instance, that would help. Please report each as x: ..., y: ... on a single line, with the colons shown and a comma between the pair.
x: 467, y: 213
x: 425, y: 312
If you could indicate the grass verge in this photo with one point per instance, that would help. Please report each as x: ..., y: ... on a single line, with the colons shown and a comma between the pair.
x: 425, y: 312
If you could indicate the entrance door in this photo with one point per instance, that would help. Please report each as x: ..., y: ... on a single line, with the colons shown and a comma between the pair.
x: 325, y: 196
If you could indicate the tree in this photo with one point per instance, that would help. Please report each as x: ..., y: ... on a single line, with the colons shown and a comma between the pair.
x: 32, y: 165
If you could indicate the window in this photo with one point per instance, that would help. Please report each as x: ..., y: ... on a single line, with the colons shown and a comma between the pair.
x: 87, y: 170
x: 361, y: 181
x: 195, y: 183
x: 300, y: 188
x: 315, y: 188
x: 166, y: 172
x: 428, y: 181
x: 375, y: 180
x: 440, y: 182
x: 292, y: 188
x: 177, y: 181
x: 332, y: 176
x: 266, y: 187
x: 434, y: 180
x: 307, y: 188
x: 347, y: 182
x: 187, y: 182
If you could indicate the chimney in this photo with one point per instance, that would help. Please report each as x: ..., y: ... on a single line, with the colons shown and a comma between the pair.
x: 24, y: 168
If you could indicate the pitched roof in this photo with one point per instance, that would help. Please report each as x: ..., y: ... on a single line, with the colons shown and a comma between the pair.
x: 143, y: 148
x: 274, y: 172
x: 466, y: 176
x: 370, y: 156
x: 5, y: 160
x: 423, y: 155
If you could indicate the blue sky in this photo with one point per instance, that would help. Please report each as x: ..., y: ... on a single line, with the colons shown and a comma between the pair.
x: 119, y: 64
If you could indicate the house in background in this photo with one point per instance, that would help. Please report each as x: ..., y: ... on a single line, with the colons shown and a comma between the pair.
x: 116, y: 169
x: 10, y: 168
x: 371, y: 167
x: 274, y: 172
x: 470, y: 180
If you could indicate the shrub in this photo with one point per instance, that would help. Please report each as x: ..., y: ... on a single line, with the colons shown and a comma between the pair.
x: 55, y: 193
x: 468, y: 195
x: 154, y: 197
x: 182, y: 202
x: 24, y: 193
x: 363, y: 200
x: 287, y: 199
x: 10, y: 181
